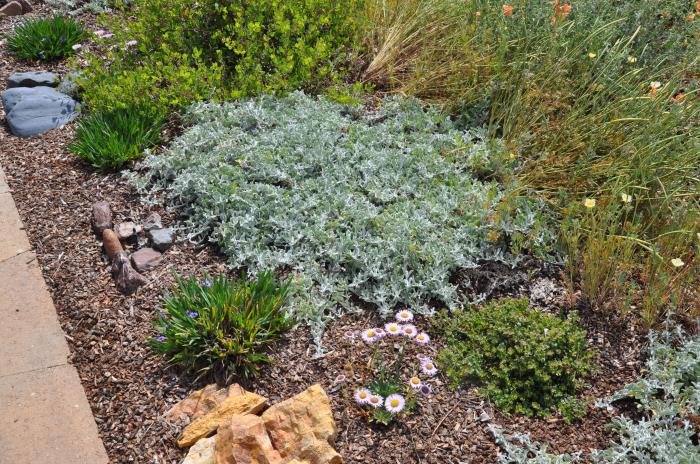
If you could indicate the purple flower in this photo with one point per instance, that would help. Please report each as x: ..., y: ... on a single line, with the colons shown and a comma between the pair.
x: 107, y: 36
x: 160, y: 338
x: 426, y: 389
x: 207, y: 283
x: 192, y: 314
x: 163, y: 313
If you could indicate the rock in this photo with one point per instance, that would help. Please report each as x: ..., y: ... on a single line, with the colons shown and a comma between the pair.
x: 203, y: 452
x: 111, y: 244
x: 32, y: 79
x: 101, y: 217
x: 247, y: 403
x: 303, y: 428
x: 162, y: 238
x: 153, y: 221
x: 243, y: 439
x: 201, y: 402
x: 125, y: 277
x: 146, y: 259
x: 127, y: 231
x: 12, y: 9
x: 34, y: 110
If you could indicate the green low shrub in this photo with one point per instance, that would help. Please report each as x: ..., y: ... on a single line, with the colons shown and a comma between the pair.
x: 526, y: 361
x: 45, y: 39
x: 178, y: 52
x: 220, y: 325
x: 110, y: 139
x: 381, y: 204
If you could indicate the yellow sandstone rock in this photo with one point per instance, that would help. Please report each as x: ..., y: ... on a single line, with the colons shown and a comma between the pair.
x: 203, y: 452
x: 201, y: 402
x: 303, y: 428
x: 247, y: 403
x: 244, y: 440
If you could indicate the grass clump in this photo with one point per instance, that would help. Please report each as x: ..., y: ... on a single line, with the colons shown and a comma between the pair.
x: 382, y: 205
x: 221, y: 325
x: 110, y: 139
x: 45, y: 39
x: 527, y: 361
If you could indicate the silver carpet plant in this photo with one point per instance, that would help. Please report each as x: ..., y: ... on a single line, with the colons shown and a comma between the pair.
x: 381, y: 203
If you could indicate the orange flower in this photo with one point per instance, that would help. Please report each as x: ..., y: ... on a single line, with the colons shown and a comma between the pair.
x: 507, y: 10
x: 697, y: 6
x: 566, y: 8
x: 690, y: 17
x: 554, y: 20
x: 679, y: 97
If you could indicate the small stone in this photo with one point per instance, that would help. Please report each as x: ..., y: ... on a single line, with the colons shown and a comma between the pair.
x: 153, y: 221
x: 111, y: 244
x: 31, y: 111
x: 32, y: 79
x: 247, y: 403
x: 127, y: 231
x: 101, y: 217
x: 201, y: 402
x: 243, y: 439
x: 11, y: 9
x: 203, y: 452
x: 146, y: 259
x: 302, y: 427
x: 125, y: 277
x: 162, y: 238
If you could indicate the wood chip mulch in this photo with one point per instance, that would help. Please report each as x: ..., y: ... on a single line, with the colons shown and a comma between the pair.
x: 129, y: 387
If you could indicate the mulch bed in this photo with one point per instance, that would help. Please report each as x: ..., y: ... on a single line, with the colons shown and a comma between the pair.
x: 129, y: 386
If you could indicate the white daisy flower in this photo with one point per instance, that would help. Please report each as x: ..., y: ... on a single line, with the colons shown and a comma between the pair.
x: 422, y: 338
x: 404, y: 316
x: 77, y: 46
x: 677, y: 262
x: 394, y: 403
x: 381, y: 333
x: 415, y: 383
x: 409, y: 330
x: 426, y: 390
x: 369, y: 335
x: 375, y: 401
x: 429, y: 368
x: 392, y: 328
x: 362, y: 396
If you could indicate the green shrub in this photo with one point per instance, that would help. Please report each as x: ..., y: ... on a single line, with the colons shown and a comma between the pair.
x: 382, y: 204
x: 45, y: 39
x: 110, y: 139
x: 527, y: 361
x: 184, y: 52
x: 222, y: 325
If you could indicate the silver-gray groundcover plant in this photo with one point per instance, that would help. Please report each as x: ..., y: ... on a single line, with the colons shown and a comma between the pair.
x: 383, y: 204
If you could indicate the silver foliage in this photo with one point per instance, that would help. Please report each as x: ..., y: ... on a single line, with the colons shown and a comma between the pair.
x: 382, y: 205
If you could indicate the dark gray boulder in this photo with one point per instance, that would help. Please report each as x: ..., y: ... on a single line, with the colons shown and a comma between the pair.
x: 32, y: 79
x: 34, y: 110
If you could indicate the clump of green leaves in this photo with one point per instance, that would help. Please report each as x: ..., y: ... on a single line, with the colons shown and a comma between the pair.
x: 184, y: 52
x: 382, y: 205
x: 222, y: 325
x: 110, y: 139
x: 527, y: 361
x: 45, y: 39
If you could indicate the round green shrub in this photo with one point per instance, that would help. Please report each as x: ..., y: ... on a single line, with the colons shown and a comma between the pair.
x: 45, y: 39
x: 527, y: 361
x: 220, y: 325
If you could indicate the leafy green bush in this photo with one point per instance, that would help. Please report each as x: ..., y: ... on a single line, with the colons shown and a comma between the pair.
x: 108, y: 140
x: 178, y: 52
x: 527, y: 361
x: 380, y: 204
x: 45, y: 39
x: 222, y: 325
x: 668, y: 400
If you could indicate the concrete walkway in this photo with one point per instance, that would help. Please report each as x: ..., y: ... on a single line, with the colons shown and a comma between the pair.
x: 44, y: 414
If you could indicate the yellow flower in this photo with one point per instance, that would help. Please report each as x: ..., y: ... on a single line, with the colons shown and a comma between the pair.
x: 589, y: 203
x: 592, y: 55
x: 677, y: 262
x: 512, y: 155
x: 631, y: 59
x: 626, y: 198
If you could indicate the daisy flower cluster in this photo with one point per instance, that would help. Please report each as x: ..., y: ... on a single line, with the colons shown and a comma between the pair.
x: 416, y: 385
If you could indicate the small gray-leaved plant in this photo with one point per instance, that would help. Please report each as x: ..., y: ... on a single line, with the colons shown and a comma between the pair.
x: 383, y: 205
